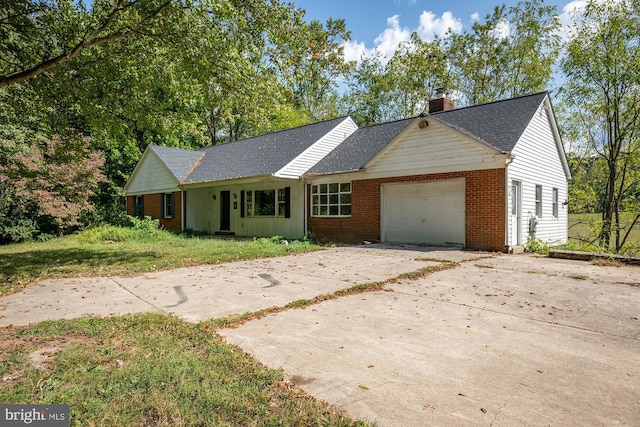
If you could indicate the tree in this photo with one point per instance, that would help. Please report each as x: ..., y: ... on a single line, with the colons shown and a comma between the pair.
x: 369, y: 96
x: 309, y: 59
x: 43, y: 34
x: 510, y: 54
x: 602, y: 66
x: 46, y: 182
x: 416, y: 70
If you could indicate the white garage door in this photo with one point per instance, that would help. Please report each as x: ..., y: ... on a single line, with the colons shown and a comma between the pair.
x: 430, y: 212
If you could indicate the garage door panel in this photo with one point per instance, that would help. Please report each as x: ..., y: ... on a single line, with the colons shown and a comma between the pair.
x: 425, y: 212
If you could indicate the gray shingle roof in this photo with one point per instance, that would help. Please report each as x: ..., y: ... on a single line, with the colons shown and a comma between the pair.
x: 499, y: 124
x: 260, y: 155
x: 178, y: 160
x: 359, y: 148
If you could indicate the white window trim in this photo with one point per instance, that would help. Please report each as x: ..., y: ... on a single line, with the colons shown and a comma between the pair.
x: 315, y: 190
x: 250, y: 198
x: 538, y: 201
x: 555, y: 197
x: 165, y: 207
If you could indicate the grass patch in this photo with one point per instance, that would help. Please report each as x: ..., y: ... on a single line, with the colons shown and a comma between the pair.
x: 110, y: 251
x: 151, y: 370
x: 433, y: 260
x: 584, y: 228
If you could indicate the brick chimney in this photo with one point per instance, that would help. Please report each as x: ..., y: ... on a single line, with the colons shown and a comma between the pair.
x: 440, y: 102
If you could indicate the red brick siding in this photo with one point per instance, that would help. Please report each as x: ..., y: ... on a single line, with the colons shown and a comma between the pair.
x: 484, y: 199
x: 153, y: 208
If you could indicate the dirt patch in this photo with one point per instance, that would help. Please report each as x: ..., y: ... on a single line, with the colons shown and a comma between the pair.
x: 40, y: 351
x: 41, y: 358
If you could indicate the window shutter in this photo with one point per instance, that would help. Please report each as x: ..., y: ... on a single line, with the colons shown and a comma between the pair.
x: 161, y: 205
x: 287, y: 202
x: 242, y: 204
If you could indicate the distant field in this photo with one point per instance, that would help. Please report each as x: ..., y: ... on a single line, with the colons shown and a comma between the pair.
x: 584, y: 228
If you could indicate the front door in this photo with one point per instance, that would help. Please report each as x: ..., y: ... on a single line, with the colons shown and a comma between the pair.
x: 516, y: 213
x: 225, y: 210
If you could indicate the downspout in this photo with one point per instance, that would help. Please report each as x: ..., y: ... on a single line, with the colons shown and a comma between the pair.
x: 183, y: 214
x: 507, y: 229
x: 306, y: 208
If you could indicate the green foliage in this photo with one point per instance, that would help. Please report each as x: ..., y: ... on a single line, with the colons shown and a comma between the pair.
x: 537, y: 246
x: 602, y: 102
x: 139, y: 247
x: 137, y: 230
x: 510, y: 54
x: 152, y: 370
x: 17, y: 229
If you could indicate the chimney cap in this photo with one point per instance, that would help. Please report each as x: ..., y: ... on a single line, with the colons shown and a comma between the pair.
x: 441, y: 92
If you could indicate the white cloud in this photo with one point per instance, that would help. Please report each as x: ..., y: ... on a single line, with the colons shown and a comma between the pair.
x: 388, y: 41
x: 353, y: 51
x: 571, y: 12
x: 501, y: 30
x: 431, y: 25
x: 475, y: 17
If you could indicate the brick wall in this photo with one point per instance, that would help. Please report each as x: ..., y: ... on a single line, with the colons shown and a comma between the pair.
x: 153, y: 208
x: 484, y: 199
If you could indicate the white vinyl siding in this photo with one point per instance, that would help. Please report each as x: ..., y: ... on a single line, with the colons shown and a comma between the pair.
x: 537, y: 161
x: 316, y: 152
x: 433, y: 149
x: 151, y: 176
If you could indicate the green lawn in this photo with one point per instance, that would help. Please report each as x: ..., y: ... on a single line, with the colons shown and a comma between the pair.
x: 583, y: 229
x: 115, y: 251
x: 150, y: 370
x: 147, y: 369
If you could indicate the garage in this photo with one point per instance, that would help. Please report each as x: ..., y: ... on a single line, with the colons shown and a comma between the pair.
x: 429, y: 212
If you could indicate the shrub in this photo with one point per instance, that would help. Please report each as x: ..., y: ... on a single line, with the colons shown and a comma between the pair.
x: 537, y: 246
x: 138, y: 229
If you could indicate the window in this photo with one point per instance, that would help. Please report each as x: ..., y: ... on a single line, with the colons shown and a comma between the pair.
x: 554, y: 202
x: 281, y: 207
x: 264, y: 202
x: 275, y: 203
x: 514, y: 197
x: 138, y: 206
x: 539, y: 201
x: 168, y: 205
x: 331, y: 199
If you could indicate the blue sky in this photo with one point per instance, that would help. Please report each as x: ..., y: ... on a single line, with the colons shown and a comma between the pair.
x: 382, y: 24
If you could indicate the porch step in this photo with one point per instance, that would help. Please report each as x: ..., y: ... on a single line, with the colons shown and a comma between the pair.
x: 224, y: 233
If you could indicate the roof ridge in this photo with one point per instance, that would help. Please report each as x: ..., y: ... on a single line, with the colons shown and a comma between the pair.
x: 391, y: 122
x: 545, y: 92
x: 276, y: 132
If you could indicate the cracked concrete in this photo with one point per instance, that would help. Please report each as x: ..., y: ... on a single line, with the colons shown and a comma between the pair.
x: 497, y: 341
x: 509, y: 340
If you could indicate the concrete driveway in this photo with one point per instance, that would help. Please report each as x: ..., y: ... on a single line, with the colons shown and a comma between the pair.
x: 497, y: 340
x: 510, y: 340
x: 213, y: 291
